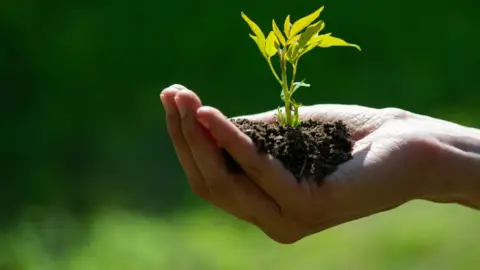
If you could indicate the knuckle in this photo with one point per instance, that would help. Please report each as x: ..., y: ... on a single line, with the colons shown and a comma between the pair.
x: 285, y: 239
x: 288, y: 232
x: 418, y: 149
x: 392, y: 113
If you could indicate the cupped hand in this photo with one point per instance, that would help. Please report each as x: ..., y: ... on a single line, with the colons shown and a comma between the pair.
x: 392, y: 151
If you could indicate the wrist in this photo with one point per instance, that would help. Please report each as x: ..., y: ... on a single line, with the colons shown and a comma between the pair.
x: 457, y: 169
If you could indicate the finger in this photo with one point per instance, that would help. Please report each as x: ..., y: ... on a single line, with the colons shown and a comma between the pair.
x: 266, y: 213
x: 237, y: 195
x: 194, y: 175
x: 264, y: 170
x: 204, y: 151
x: 207, y: 156
x: 182, y: 150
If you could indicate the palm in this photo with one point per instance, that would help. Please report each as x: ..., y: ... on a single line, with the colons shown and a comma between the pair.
x: 362, y: 182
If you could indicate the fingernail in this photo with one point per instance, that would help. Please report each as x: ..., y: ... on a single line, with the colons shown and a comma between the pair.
x: 182, y: 109
x: 204, y: 122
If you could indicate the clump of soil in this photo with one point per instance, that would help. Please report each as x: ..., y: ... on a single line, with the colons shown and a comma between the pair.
x: 312, y: 150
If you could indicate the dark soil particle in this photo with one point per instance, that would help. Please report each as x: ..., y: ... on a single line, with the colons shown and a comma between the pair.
x: 311, y: 150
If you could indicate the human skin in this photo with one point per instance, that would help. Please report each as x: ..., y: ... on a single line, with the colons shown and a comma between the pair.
x: 398, y: 157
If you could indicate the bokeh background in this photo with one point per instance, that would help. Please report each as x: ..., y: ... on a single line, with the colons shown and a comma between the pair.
x: 90, y: 179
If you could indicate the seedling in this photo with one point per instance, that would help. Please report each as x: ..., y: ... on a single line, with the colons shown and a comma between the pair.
x: 290, y: 46
x: 310, y: 149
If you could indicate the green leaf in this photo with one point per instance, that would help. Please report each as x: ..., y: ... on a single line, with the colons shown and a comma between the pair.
x: 307, y: 49
x: 297, y: 85
x: 281, y: 117
x: 260, y: 37
x: 327, y: 40
x: 292, y: 53
x: 271, y: 45
x: 287, y: 26
x: 260, y: 45
x: 300, y: 24
x: 309, y: 33
x: 293, y: 40
x: 278, y: 33
x: 296, y: 115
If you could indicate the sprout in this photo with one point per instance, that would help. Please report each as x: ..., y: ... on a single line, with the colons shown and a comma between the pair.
x: 290, y: 46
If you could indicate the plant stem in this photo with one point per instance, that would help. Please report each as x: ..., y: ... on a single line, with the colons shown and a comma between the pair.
x: 273, y: 71
x: 294, y: 73
x: 286, y: 92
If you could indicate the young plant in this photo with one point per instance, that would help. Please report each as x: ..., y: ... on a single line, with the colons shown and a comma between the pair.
x: 290, y: 46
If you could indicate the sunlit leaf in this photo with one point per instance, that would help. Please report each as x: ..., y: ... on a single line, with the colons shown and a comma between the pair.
x: 278, y: 33
x: 292, y: 53
x: 260, y: 37
x: 315, y: 40
x: 310, y: 32
x: 260, y: 45
x: 307, y: 49
x: 287, y: 26
x: 329, y: 41
x: 300, y: 24
x: 253, y: 26
x: 293, y: 39
x: 271, y: 45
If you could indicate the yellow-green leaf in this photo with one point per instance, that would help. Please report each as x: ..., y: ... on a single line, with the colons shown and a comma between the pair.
x: 292, y: 53
x: 300, y: 24
x: 278, y: 33
x: 287, y: 26
x: 293, y: 39
x: 315, y: 40
x: 310, y: 33
x: 260, y: 45
x: 271, y: 45
x: 307, y: 49
x: 329, y: 41
x: 257, y: 31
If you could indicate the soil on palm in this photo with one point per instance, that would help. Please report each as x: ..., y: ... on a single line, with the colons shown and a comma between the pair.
x: 311, y: 150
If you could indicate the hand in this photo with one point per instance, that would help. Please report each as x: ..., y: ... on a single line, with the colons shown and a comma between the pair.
x: 392, y: 163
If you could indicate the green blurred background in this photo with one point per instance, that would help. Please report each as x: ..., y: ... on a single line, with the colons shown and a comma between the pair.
x: 90, y: 179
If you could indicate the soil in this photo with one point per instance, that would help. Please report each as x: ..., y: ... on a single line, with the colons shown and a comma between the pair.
x: 311, y: 150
